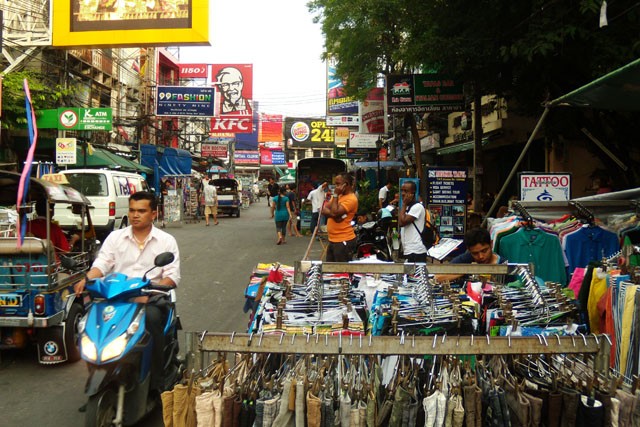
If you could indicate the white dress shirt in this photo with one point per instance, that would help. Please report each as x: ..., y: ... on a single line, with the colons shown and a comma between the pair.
x: 317, y: 197
x: 121, y: 253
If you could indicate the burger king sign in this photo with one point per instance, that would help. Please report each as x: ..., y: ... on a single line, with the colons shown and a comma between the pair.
x: 308, y: 132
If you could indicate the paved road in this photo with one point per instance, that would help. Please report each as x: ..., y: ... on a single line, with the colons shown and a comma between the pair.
x: 216, y: 264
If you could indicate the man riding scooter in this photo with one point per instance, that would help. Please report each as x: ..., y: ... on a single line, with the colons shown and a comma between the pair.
x: 131, y: 251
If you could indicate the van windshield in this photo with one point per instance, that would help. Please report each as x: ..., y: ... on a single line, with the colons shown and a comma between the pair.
x: 89, y: 184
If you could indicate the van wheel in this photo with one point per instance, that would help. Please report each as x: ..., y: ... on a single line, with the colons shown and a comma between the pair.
x: 124, y: 223
x: 238, y: 213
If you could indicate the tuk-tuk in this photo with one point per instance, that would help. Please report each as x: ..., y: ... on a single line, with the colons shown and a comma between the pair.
x: 37, y: 302
x: 229, y: 191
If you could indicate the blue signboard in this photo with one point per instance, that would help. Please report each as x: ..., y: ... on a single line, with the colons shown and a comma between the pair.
x: 277, y: 158
x: 185, y: 101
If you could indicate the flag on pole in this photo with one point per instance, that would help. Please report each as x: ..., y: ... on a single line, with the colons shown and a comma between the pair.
x: 23, y: 185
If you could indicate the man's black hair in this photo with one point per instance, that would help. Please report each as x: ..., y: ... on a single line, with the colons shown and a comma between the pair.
x: 145, y: 195
x: 348, y: 178
x: 477, y: 236
x: 412, y: 184
x: 41, y: 207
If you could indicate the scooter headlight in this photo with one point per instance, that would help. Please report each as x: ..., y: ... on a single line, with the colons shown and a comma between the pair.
x: 115, y: 348
x: 88, y: 348
x: 82, y: 324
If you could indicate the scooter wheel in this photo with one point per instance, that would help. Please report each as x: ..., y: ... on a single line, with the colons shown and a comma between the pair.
x: 101, y: 409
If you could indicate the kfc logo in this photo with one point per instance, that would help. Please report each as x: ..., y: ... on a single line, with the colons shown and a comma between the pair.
x: 232, y: 124
x: 193, y: 71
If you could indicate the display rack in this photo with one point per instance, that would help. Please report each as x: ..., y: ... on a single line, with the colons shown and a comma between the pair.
x: 198, y: 344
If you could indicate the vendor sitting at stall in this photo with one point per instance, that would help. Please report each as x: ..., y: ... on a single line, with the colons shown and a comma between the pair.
x: 38, y: 228
x: 479, y: 251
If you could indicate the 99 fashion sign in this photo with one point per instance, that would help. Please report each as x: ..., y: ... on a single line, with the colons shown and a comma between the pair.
x: 308, y: 133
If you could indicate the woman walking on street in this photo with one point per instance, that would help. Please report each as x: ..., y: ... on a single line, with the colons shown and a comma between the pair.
x: 292, y: 226
x: 281, y: 211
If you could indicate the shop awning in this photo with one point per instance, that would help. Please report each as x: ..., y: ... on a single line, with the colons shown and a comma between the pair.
x: 126, y: 164
x: 383, y: 164
x: 458, y: 147
x: 618, y: 90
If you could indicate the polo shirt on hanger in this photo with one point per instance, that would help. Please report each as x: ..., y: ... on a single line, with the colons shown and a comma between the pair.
x: 589, y: 244
x: 539, y: 248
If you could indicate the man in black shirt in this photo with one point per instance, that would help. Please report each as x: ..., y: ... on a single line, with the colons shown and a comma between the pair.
x: 273, y: 188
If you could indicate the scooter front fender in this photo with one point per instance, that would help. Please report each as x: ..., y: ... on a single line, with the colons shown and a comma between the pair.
x: 99, y: 378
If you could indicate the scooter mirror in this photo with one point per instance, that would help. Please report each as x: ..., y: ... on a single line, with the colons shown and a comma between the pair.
x: 163, y: 259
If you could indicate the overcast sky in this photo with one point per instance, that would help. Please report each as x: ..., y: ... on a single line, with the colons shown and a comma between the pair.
x: 281, y: 41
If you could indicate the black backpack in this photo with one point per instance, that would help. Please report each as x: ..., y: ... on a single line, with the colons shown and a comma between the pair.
x: 429, y: 234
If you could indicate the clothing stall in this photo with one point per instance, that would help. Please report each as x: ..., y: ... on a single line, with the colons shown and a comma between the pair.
x: 500, y: 350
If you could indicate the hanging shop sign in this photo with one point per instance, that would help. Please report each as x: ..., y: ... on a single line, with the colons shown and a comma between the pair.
x: 214, y: 150
x: 246, y: 157
x: 545, y: 187
x: 308, y: 133
x: 192, y: 71
x: 447, y: 193
x: 185, y: 101
x: 421, y: 93
x: 373, y: 117
x: 362, y: 140
x: 272, y: 157
x: 343, y: 121
x: 72, y: 118
x: 65, y: 151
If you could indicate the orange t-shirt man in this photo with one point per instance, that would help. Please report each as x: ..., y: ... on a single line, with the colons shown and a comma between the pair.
x: 343, y: 231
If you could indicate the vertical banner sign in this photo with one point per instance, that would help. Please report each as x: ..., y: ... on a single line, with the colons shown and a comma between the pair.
x: 234, y: 83
x: 338, y: 103
x: 447, y: 200
x: 545, y: 187
x: 66, y: 151
x: 373, y: 118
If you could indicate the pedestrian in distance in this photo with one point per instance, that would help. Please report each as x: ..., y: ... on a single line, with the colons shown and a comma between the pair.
x: 384, y: 195
x: 340, y: 211
x: 273, y: 188
x: 292, y: 226
x: 210, y: 203
x: 317, y: 199
x: 411, y: 219
x: 281, y: 212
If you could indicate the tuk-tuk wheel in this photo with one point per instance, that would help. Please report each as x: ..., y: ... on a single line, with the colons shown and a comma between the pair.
x: 71, y: 335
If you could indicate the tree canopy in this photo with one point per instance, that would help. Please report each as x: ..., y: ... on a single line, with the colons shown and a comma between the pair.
x: 531, y: 50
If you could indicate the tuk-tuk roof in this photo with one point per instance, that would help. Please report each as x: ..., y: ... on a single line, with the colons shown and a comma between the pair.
x: 38, y: 189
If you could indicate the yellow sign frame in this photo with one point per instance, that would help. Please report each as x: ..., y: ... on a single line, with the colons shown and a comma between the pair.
x: 62, y: 36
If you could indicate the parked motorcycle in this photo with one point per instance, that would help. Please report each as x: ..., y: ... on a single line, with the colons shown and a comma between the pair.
x: 372, y: 239
x: 118, y: 349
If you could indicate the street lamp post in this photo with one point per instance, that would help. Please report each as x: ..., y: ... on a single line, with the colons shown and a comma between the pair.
x: 378, y: 148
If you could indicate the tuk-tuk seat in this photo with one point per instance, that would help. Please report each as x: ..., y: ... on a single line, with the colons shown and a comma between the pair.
x: 27, y: 264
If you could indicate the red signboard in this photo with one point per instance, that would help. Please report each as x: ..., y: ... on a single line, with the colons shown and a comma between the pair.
x: 214, y: 150
x: 237, y: 124
x: 189, y: 71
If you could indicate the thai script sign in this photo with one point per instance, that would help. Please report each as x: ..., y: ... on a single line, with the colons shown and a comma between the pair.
x: 421, y: 93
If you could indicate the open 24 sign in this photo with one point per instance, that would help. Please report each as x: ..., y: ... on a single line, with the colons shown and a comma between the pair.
x: 320, y: 132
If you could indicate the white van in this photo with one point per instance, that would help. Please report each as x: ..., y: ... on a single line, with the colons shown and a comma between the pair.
x: 108, y: 191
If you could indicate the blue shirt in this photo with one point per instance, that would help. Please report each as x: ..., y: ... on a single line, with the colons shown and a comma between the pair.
x: 281, y: 213
x: 589, y: 244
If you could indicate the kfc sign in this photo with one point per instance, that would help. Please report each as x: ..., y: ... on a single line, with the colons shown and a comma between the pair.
x: 188, y: 71
x: 238, y: 124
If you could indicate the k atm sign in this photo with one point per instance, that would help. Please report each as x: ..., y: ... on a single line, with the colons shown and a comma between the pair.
x: 193, y: 71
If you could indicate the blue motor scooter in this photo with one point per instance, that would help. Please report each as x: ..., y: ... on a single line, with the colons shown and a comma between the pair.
x: 118, y: 349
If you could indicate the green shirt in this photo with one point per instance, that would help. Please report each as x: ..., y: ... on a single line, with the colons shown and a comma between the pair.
x: 541, y: 249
